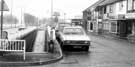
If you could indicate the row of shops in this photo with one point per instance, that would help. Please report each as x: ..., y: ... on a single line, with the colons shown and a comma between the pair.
x: 116, y: 24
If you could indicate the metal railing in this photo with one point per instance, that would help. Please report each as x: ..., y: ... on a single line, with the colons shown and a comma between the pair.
x: 13, y: 46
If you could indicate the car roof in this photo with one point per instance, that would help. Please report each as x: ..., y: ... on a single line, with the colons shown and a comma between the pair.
x: 73, y: 27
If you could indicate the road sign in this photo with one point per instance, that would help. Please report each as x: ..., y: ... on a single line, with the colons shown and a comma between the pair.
x: 5, y: 7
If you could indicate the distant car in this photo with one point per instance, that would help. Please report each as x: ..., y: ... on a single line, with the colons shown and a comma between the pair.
x: 74, y: 37
x: 21, y: 28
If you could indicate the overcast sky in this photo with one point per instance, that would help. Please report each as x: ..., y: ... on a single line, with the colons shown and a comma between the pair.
x: 42, y: 8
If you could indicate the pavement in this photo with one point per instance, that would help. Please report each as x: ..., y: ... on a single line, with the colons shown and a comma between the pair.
x: 37, y: 56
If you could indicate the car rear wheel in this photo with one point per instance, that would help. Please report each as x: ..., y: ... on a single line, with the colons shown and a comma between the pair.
x: 86, y: 48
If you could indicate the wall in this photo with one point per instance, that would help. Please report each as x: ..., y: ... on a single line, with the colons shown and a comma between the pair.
x: 121, y: 7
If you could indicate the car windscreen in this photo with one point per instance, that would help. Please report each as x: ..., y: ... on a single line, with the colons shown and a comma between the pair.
x: 73, y: 31
x: 62, y: 25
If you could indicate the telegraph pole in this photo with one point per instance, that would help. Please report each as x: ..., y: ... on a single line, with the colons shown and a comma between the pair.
x: 51, y: 10
x: 1, y: 27
x: 11, y: 13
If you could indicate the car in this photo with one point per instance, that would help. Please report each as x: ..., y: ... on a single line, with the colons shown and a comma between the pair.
x: 74, y: 37
x: 59, y: 28
x: 21, y: 28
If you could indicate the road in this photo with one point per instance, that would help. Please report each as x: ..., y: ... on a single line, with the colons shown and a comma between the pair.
x: 103, y: 52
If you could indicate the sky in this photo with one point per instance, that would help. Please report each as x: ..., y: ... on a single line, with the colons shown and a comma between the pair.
x: 42, y: 8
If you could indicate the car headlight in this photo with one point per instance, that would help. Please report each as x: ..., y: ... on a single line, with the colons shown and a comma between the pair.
x: 87, y: 42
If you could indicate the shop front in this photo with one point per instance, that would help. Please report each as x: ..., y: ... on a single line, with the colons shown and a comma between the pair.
x: 124, y: 28
x: 106, y: 26
x: 130, y: 18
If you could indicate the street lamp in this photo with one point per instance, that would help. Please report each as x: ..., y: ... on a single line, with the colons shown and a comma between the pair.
x: 51, y: 9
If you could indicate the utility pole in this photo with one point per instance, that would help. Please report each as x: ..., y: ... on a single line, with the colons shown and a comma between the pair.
x: 21, y: 18
x: 64, y: 17
x: 11, y: 12
x: 51, y: 10
x: 1, y: 27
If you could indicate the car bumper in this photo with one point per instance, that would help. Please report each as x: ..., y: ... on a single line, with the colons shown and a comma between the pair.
x: 77, y: 44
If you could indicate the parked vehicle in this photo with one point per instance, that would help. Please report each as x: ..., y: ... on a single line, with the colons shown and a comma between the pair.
x: 74, y: 37
x: 59, y: 28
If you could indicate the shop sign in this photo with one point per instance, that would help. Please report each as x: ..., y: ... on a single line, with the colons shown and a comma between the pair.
x: 121, y: 16
x: 130, y: 16
x: 100, y: 25
x: 112, y: 16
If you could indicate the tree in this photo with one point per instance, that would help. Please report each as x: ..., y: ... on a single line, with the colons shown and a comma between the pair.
x: 8, y: 19
x: 30, y: 20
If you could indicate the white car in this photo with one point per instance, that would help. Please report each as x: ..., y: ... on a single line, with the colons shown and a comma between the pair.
x: 59, y: 28
x: 74, y: 37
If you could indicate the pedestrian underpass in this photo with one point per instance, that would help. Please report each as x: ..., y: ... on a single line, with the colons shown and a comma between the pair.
x: 35, y: 50
x: 30, y: 39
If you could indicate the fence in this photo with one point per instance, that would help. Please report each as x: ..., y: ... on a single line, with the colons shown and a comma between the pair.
x: 13, y: 46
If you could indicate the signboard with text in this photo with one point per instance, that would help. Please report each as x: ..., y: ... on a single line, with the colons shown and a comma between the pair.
x: 130, y: 15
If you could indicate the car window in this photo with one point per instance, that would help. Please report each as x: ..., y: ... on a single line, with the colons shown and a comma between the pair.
x: 62, y: 25
x: 73, y: 31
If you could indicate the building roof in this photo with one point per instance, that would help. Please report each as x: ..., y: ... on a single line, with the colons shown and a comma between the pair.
x: 106, y: 2
x: 93, y: 6
x: 101, y: 3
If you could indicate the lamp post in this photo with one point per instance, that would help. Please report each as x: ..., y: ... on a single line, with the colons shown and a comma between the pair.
x: 51, y: 10
x: 1, y: 27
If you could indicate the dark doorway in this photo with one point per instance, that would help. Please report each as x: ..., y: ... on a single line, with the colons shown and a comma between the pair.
x: 91, y: 26
x: 125, y: 28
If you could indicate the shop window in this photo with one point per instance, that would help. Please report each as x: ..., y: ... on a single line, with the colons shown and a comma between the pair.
x: 130, y: 5
x: 89, y: 18
x: 111, y: 9
x: 114, y: 27
x: 106, y: 26
x: 133, y: 4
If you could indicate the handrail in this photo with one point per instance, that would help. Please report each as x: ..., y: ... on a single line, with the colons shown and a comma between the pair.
x: 13, y: 46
